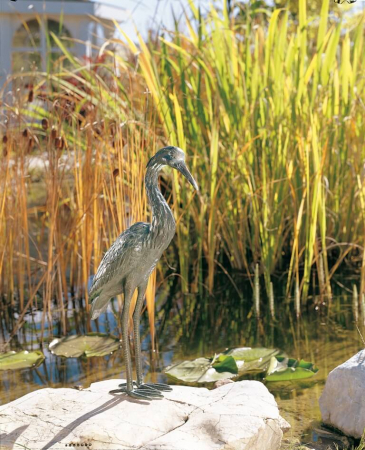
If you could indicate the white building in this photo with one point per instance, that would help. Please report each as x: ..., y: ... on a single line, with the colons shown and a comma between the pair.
x: 25, y: 25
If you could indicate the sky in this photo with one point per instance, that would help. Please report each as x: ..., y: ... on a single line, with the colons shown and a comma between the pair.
x: 147, y: 14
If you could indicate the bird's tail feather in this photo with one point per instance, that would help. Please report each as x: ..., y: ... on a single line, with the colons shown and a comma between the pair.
x: 98, y: 306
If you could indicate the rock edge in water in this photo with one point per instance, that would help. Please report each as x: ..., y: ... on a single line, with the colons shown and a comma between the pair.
x: 342, y: 402
x: 241, y: 415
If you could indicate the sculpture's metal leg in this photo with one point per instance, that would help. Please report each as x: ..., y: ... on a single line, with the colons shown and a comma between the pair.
x: 130, y: 386
x: 137, y: 343
x: 137, y: 337
x: 125, y: 338
x: 148, y: 388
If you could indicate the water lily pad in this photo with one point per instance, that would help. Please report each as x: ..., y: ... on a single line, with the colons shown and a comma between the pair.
x: 20, y: 360
x: 287, y: 369
x: 251, y: 359
x: 238, y: 361
x: 228, y: 364
x: 92, y: 344
x: 198, y: 371
x: 225, y: 363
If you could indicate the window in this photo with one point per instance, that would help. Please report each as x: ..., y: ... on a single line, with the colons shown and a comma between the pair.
x: 34, y: 48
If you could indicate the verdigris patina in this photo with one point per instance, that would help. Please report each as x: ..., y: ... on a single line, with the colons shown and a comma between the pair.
x: 129, y: 262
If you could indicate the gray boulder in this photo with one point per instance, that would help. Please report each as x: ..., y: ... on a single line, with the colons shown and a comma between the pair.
x: 242, y: 415
x: 342, y: 402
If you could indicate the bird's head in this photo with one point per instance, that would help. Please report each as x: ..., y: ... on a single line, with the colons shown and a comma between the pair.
x: 175, y: 158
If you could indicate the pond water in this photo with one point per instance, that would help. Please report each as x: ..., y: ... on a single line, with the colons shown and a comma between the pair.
x: 326, y: 336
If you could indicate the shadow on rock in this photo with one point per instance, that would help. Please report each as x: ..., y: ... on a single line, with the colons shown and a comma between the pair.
x: 7, y: 441
x: 67, y: 430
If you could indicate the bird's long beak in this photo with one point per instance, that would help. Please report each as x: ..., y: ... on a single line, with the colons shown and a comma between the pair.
x: 181, y: 167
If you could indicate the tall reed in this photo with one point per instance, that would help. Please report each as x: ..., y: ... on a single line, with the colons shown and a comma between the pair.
x: 91, y: 163
x: 271, y: 118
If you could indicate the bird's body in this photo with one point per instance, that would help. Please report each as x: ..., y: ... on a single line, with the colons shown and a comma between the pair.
x: 129, y: 262
x: 132, y: 250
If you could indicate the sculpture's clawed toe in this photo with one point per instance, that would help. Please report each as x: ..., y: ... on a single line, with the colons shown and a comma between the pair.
x: 146, y: 394
x: 150, y: 386
x: 141, y: 392
x: 158, y: 386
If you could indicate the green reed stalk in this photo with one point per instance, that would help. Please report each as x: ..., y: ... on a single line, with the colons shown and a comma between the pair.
x: 355, y: 303
x: 297, y: 299
x: 362, y: 309
x: 269, y: 115
x: 271, y: 300
x: 257, y: 291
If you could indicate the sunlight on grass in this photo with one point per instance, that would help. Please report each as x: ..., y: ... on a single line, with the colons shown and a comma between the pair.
x: 271, y: 118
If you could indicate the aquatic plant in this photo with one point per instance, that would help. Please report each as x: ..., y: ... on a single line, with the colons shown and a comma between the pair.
x: 242, y: 361
x: 270, y: 114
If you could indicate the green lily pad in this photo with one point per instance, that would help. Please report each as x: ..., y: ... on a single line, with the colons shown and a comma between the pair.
x: 250, y: 354
x: 288, y: 369
x: 92, y: 344
x: 225, y: 363
x: 239, y: 361
x: 251, y: 359
x: 20, y: 360
x: 232, y: 362
x: 198, y: 371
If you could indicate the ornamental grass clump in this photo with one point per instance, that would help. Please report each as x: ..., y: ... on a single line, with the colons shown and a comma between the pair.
x: 269, y: 111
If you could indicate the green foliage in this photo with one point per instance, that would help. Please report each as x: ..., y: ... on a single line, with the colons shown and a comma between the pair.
x: 269, y: 111
x: 225, y: 363
x: 252, y: 359
x: 199, y: 371
x: 232, y: 362
x: 241, y: 361
x: 288, y: 369
x: 314, y: 7
x: 268, y: 115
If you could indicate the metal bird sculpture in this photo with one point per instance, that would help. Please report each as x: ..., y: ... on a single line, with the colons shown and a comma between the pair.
x: 129, y: 262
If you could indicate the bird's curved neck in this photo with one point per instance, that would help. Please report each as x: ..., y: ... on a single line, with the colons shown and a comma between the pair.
x: 162, y: 217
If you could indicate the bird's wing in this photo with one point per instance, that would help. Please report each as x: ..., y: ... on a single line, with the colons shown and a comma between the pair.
x: 113, y: 259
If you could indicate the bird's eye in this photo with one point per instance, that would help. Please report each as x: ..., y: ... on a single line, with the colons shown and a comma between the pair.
x: 168, y: 157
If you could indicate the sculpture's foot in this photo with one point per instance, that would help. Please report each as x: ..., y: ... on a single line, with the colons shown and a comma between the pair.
x: 150, y: 386
x: 158, y: 386
x: 141, y: 392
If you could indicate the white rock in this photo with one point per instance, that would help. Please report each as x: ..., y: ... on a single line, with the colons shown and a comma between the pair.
x: 342, y: 402
x: 242, y: 415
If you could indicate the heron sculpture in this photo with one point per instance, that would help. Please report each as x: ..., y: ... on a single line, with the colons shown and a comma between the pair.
x: 129, y: 262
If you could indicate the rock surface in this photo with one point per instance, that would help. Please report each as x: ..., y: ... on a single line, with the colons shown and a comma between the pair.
x: 242, y: 415
x: 342, y: 402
